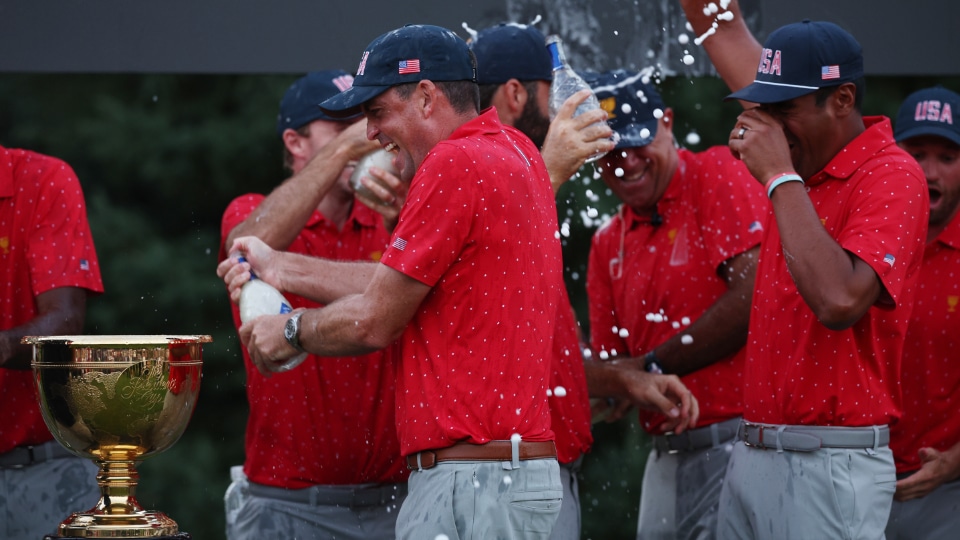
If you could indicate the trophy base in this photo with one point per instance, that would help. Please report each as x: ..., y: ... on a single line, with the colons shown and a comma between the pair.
x: 181, y: 536
x: 137, y: 524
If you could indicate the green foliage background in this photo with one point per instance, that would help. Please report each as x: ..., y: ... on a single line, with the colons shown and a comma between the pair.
x: 160, y: 156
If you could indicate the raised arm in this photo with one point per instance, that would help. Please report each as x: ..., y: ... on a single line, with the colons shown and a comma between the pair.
x: 734, y: 51
x: 281, y: 216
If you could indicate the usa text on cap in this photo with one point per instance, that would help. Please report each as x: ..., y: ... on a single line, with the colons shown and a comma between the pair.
x: 799, y: 59
x: 928, y: 112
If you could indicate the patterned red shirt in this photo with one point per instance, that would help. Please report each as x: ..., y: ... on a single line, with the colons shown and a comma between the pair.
x: 568, y: 397
x: 480, y: 227
x: 330, y: 421
x: 45, y: 243
x: 648, y: 283
x: 872, y: 199
x: 930, y: 374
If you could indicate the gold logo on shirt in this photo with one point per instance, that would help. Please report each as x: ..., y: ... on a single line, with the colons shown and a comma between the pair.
x: 5, y: 245
x: 952, y: 303
x: 376, y: 255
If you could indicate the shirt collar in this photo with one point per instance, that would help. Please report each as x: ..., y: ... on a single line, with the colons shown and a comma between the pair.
x: 360, y: 214
x: 877, y: 136
x: 950, y: 235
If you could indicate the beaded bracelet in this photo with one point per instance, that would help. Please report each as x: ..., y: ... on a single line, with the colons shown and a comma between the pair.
x: 781, y: 178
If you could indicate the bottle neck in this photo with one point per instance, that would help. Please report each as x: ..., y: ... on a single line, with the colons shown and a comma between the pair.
x: 557, y: 57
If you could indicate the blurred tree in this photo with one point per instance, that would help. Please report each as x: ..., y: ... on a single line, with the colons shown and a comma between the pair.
x: 160, y: 156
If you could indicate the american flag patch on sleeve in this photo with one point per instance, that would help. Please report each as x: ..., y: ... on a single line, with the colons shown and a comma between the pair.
x: 399, y: 243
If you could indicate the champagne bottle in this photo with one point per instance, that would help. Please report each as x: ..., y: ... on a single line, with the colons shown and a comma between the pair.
x: 566, y: 83
x: 257, y: 297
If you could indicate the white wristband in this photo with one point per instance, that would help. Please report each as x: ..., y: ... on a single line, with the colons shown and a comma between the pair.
x: 782, y: 179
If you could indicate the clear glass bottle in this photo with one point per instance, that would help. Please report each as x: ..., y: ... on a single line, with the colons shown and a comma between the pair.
x: 566, y: 83
x: 257, y: 297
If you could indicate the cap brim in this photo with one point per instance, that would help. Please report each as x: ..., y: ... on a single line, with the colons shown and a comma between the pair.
x: 928, y: 130
x: 348, y: 102
x: 632, y: 136
x: 760, y: 92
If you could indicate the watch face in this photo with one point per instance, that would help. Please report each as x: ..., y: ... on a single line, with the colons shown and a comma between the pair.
x: 290, y: 330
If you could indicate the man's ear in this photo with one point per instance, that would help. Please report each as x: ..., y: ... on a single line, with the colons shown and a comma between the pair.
x: 295, y: 143
x: 516, y: 97
x: 426, y: 95
x: 845, y: 99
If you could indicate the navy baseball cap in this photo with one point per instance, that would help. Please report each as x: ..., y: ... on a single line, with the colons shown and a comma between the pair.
x: 633, y: 105
x: 408, y: 54
x: 300, y: 104
x: 928, y: 112
x: 511, y: 51
x: 800, y: 58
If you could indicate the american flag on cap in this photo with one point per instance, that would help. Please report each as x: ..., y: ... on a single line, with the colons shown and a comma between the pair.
x: 829, y: 72
x: 409, y: 66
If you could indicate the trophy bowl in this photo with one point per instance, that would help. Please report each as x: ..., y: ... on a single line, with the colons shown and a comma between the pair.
x: 117, y: 400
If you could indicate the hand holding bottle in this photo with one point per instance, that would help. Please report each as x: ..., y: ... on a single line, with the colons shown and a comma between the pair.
x: 258, y: 298
x: 566, y: 83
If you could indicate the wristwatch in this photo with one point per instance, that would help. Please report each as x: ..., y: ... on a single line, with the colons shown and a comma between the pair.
x: 292, y: 331
x: 651, y: 363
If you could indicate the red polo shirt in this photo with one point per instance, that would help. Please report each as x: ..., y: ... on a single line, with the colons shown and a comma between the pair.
x: 872, y: 199
x: 568, y: 397
x: 45, y: 243
x: 330, y: 421
x: 930, y: 374
x: 479, y: 226
x: 648, y: 283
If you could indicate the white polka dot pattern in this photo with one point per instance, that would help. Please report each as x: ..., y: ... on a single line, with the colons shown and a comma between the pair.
x: 480, y: 225
x: 872, y: 198
x: 712, y: 210
x: 45, y: 243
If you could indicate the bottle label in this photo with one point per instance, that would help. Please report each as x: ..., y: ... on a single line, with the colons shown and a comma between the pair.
x: 554, y: 49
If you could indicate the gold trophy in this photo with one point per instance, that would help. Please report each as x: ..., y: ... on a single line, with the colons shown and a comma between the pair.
x: 117, y: 400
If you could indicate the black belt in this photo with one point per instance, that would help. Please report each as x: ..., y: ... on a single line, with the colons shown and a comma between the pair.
x: 24, y: 456
x: 699, y: 438
x: 811, y: 438
x: 351, y: 496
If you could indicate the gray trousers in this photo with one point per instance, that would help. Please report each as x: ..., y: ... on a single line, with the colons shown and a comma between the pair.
x: 36, y: 498
x: 828, y: 493
x: 934, y: 517
x: 256, y: 512
x: 568, y: 522
x: 680, y: 492
x: 482, y: 500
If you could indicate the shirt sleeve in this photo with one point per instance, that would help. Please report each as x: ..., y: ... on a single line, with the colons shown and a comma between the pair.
x: 733, y: 207
x: 437, y: 220
x: 61, y: 251
x: 886, y: 225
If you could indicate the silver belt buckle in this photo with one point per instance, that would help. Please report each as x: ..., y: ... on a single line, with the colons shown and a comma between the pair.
x: 746, y: 434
